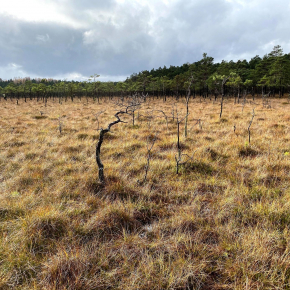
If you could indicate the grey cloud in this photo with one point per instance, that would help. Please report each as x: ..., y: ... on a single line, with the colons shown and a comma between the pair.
x: 89, y: 4
x: 118, y: 39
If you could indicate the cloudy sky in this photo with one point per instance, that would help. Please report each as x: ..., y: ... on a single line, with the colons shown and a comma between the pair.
x: 73, y: 39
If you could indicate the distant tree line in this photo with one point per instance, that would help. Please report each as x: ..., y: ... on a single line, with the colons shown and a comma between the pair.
x: 269, y: 74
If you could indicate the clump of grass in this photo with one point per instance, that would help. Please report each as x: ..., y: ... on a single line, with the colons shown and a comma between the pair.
x: 25, y: 181
x: 213, y: 154
x: 16, y: 143
x: 40, y: 117
x: 41, y: 231
x: 248, y: 152
x: 73, y: 149
x: 136, y: 127
x: 66, y: 270
x: 116, y: 155
x: 118, y: 190
x: 110, y: 136
x: 30, y: 155
x: 133, y: 147
x: 278, y: 126
x: 110, y: 225
x: 146, y: 213
x: 82, y: 136
x: 10, y: 213
x: 280, y: 218
x: 207, y: 138
x: 199, y: 167
x: 167, y: 146
x: 204, y: 188
x: 256, y: 194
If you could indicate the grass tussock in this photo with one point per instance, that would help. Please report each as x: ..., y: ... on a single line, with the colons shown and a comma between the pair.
x: 223, y: 222
x: 40, y: 117
x: 248, y: 152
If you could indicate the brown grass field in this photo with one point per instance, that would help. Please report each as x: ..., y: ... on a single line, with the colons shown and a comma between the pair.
x: 222, y: 223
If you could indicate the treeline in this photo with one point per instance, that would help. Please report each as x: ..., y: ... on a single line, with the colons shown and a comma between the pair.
x: 269, y: 74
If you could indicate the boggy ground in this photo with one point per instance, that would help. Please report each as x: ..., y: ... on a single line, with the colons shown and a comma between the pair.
x: 221, y: 223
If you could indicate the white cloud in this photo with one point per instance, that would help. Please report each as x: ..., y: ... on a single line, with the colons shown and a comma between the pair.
x: 37, y: 11
x: 12, y: 70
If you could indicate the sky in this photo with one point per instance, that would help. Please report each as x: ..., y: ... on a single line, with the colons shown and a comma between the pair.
x: 73, y: 39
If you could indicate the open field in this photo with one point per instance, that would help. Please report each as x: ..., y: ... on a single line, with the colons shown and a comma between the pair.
x: 223, y: 222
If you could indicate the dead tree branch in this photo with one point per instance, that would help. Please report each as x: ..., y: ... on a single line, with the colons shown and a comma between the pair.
x: 253, y: 115
x: 100, y: 142
x: 149, y: 156
x: 97, y: 117
x: 178, y: 159
x: 165, y: 116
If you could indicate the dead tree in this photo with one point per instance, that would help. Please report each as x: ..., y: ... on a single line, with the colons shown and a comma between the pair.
x: 165, y: 116
x: 174, y: 109
x: 132, y: 104
x: 253, y: 115
x: 244, y: 100
x: 149, y: 156
x: 100, y: 142
x: 178, y: 156
x: 225, y: 79
x: 198, y: 122
x: 97, y: 117
x: 179, y: 162
x: 135, y: 104
x: 59, y: 125
x: 266, y: 101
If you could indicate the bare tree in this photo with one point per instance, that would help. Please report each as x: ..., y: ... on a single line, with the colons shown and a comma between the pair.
x: 174, y: 111
x: 253, y: 115
x: 219, y: 82
x: 133, y: 104
x: 179, y: 162
x: 198, y: 122
x: 149, y: 148
x: 59, y: 125
x: 179, y: 155
x: 266, y: 101
x: 97, y: 117
x: 100, y: 142
x: 165, y: 116
x: 244, y: 100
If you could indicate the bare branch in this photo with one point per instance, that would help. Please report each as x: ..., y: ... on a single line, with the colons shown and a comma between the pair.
x: 253, y: 115
x: 149, y: 155
x: 99, y: 144
x: 178, y: 122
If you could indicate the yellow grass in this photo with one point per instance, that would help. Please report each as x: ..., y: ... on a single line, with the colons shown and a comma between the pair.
x: 222, y: 223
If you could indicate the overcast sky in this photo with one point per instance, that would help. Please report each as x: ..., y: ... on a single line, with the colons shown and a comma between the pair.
x: 73, y: 39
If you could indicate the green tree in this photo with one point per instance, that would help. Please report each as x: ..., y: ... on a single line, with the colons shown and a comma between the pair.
x: 236, y: 82
x: 203, y: 69
x: 95, y: 84
x: 279, y: 69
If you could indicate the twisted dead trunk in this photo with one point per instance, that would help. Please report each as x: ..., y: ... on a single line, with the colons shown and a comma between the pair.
x: 100, y: 142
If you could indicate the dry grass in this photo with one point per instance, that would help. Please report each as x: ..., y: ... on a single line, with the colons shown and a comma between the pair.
x: 222, y: 223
